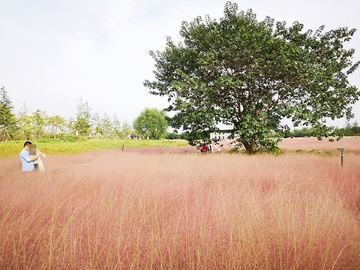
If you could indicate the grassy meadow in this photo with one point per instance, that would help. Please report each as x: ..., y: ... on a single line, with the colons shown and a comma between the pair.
x: 163, y: 208
x: 82, y: 145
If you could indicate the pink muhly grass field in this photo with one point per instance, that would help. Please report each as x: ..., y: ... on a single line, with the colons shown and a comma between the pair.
x: 148, y: 209
x: 352, y: 145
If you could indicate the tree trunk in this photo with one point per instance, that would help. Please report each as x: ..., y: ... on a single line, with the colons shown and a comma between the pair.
x: 253, y: 144
x: 250, y: 147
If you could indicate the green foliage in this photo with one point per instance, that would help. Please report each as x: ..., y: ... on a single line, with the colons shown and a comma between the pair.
x: 348, y: 130
x: 25, y: 127
x: 250, y: 75
x: 172, y: 136
x: 104, y: 126
x: 274, y: 149
x: 69, y: 139
x: 56, y: 125
x: 116, y: 131
x: 49, y: 140
x: 304, y: 132
x: 107, y: 126
x: 327, y: 154
x: 8, y: 122
x: 38, y: 121
x: 234, y: 150
x: 176, y: 136
x: 39, y: 125
x: 314, y: 151
x: 126, y: 129
x: 83, y: 119
x: 151, y: 123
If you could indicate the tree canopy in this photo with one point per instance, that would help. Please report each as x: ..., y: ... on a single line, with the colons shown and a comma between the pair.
x: 151, y: 123
x: 251, y: 74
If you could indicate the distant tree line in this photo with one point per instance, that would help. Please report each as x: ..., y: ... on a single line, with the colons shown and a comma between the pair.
x: 150, y: 124
x: 176, y: 136
x: 348, y: 130
x: 39, y: 125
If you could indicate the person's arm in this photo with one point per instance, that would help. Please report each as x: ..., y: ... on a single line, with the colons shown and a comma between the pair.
x: 32, y: 159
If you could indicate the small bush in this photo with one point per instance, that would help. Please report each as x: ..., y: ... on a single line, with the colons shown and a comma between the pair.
x: 69, y: 139
x: 327, y: 154
x: 314, y: 151
x: 274, y: 150
x: 234, y: 150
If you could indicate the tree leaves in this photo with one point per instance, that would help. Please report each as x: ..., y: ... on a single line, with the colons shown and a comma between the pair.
x: 151, y: 123
x: 8, y: 122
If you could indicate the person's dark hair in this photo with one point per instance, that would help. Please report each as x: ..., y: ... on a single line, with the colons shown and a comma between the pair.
x: 26, y: 143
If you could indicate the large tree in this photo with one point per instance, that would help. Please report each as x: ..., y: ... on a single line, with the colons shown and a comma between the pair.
x: 251, y: 74
x: 151, y: 123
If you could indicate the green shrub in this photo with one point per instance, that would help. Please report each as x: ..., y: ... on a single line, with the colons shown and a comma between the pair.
x: 314, y: 151
x: 271, y: 149
x: 234, y: 150
x: 327, y: 154
x: 48, y: 141
x: 69, y: 139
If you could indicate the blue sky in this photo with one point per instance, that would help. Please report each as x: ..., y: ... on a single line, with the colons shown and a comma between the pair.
x: 52, y: 53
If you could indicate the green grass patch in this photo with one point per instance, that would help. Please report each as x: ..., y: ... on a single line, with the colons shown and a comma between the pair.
x: 82, y: 145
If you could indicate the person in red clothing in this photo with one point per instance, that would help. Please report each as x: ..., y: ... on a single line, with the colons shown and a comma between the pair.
x: 204, y: 148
